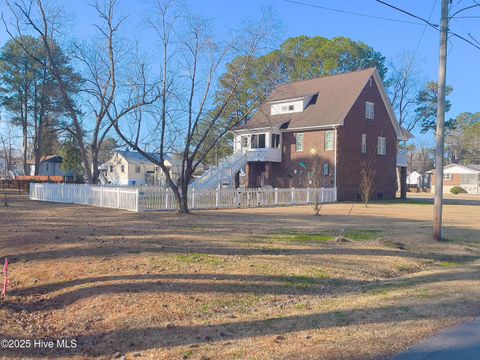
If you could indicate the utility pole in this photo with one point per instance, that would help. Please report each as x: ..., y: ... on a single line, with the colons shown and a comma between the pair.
x: 440, y: 133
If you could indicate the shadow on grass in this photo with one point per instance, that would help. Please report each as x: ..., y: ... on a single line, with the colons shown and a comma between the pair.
x: 216, y: 283
x: 137, y: 339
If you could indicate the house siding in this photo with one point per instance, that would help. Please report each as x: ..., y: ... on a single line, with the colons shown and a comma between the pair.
x: 350, y: 158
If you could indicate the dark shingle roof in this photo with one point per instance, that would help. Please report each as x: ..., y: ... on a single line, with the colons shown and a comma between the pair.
x: 336, y: 96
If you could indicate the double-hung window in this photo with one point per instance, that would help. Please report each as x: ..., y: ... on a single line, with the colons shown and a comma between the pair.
x: 275, y: 141
x: 244, y: 141
x: 447, y: 176
x: 329, y: 139
x: 369, y: 110
x: 364, y: 143
x: 299, y: 142
x: 382, y: 145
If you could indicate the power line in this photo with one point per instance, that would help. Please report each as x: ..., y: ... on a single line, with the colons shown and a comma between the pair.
x: 430, y: 24
x: 435, y: 26
x: 423, y: 33
x: 351, y: 12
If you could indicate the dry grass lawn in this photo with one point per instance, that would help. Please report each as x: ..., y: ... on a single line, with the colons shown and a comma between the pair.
x: 237, y: 284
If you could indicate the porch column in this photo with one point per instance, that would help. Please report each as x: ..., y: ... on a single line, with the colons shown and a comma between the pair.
x: 268, y: 173
x: 403, y: 182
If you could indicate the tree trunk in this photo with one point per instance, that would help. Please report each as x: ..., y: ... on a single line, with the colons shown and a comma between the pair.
x: 183, y: 204
x: 94, y: 165
x: 24, y: 120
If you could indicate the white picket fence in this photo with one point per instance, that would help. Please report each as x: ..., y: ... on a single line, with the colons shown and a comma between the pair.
x: 155, y: 198
x: 104, y: 196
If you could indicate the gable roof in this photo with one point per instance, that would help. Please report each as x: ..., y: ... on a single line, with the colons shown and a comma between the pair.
x: 47, y: 158
x: 333, y: 98
x: 134, y: 157
x: 470, y: 168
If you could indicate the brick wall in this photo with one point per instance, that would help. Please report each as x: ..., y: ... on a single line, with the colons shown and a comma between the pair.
x: 350, y: 158
x: 295, y: 170
x: 456, y: 180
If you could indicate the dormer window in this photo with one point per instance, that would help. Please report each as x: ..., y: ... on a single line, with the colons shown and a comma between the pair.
x: 292, y: 105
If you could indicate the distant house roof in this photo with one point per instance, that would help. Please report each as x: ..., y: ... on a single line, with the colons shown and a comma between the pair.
x: 134, y: 157
x: 47, y: 158
x: 471, y: 168
x: 332, y: 97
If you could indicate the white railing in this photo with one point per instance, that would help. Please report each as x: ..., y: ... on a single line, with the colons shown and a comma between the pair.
x: 226, y: 169
x: 156, y: 198
x: 104, y: 196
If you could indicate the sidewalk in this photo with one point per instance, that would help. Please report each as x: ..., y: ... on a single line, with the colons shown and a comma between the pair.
x: 460, y: 343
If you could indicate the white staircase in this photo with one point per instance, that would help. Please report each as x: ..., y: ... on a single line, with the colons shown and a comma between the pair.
x: 222, y: 175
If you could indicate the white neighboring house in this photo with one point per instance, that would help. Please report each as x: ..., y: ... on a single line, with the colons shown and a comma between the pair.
x: 50, y: 165
x: 465, y: 176
x: 414, y: 178
x: 131, y: 168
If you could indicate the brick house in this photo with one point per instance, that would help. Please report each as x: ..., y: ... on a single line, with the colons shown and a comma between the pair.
x: 465, y: 176
x: 342, y: 122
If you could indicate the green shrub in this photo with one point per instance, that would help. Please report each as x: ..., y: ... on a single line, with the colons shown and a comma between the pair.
x: 458, y: 190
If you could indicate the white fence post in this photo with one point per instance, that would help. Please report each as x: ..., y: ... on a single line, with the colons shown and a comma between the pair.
x: 118, y: 198
x: 101, y: 196
x: 193, y: 198
x: 137, y: 199
x: 276, y: 196
x: 308, y: 195
x: 293, y: 195
x: 217, y: 198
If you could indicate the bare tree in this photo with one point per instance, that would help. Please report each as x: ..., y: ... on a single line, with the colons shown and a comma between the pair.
x: 404, y: 84
x: 101, y: 62
x: 7, y: 149
x: 367, y: 183
x: 33, y: 16
x: 189, y: 109
x: 423, y: 159
x: 318, y: 169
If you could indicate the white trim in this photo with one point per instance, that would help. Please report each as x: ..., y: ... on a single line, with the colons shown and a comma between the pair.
x: 286, y: 100
x: 335, y: 158
x: 292, y: 99
x: 319, y: 127
x: 400, y: 134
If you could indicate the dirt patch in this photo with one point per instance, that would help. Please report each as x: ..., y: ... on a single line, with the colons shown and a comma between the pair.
x: 234, y: 284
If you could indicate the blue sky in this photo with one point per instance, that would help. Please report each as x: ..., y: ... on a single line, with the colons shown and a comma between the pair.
x: 389, y: 37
